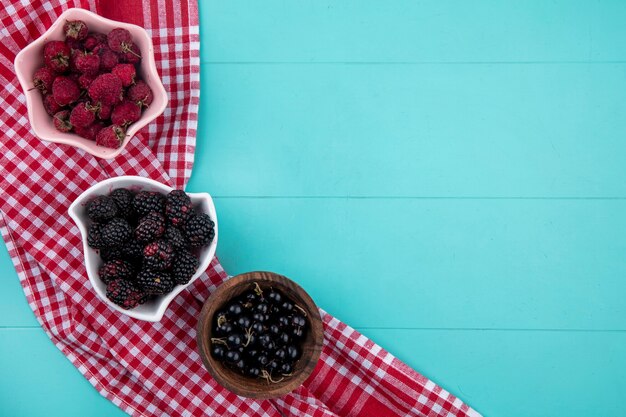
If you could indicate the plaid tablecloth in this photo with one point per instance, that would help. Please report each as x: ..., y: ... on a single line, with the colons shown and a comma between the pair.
x: 153, y: 369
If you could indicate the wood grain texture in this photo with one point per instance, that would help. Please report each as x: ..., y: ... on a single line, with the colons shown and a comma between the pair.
x: 311, y: 346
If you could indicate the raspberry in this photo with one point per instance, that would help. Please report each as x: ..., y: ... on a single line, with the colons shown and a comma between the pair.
x: 43, y: 79
x: 119, y: 40
x: 93, y: 40
x: 184, y: 266
x: 107, y: 89
x: 62, y: 121
x: 56, y: 55
x: 200, y: 230
x: 74, y: 45
x: 150, y: 227
x: 82, y: 115
x: 116, y: 232
x: 124, y: 201
x: 155, y: 282
x: 65, y: 90
x: 87, y: 63
x: 104, y: 113
x: 125, y: 294
x: 158, y: 255
x: 147, y: 201
x: 176, y: 238
x: 75, y: 29
x: 111, y: 137
x: 178, y: 207
x: 125, y: 113
x: 108, y: 58
x: 94, y: 236
x: 101, y: 209
x: 132, y: 56
x: 140, y: 93
x: 90, y: 132
x: 126, y: 73
x: 116, y: 269
x: 51, y: 106
x: 85, y: 80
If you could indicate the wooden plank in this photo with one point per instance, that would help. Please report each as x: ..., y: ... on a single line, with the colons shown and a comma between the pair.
x: 520, y: 374
x: 435, y: 130
x: 521, y: 264
x: 512, y: 373
x: 405, y: 30
x: 37, y: 380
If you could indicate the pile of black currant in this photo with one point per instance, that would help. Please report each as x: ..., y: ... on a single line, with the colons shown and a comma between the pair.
x: 259, y: 334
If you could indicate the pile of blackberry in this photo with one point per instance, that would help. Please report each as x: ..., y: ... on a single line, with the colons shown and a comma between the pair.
x: 148, y: 242
x: 259, y: 334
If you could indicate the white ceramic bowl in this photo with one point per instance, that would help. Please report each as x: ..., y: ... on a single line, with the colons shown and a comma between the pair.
x: 29, y: 59
x: 154, y: 309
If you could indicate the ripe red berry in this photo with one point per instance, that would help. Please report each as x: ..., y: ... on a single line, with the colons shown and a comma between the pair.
x: 104, y: 113
x: 106, y: 89
x: 126, y: 73
x: 125, y: 113
x: 82, y: 115
x: 56, y: 56
x: 87, y: 63
x: 119, y: 40
x: 51, y: 106
x: 43, y: 79
x: 85, y: 80
x: 90, y: 132
x: 111, y: 136
x: 65, y: 90
x: 75, y: 29
x: 62, y: 122
x: 140, y: 93
x: 132, y: 55
x: 108, y: 58
x: 94, y: 39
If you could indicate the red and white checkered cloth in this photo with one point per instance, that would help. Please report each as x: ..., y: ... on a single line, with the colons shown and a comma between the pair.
x: 153, y: 369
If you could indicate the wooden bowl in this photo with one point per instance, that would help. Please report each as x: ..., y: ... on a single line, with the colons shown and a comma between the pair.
x: 311, y: 347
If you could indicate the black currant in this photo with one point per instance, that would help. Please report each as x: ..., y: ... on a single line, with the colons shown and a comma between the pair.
x: 224, y: 329
x: 287, y: 306
x: 262, y: 359
x: 235, y: 309
x: 274, y: 297
x: 274, y: 329
x: 234, y: 340
x: 253, y: 371
x: 286, y: 368
x: 244, y: 322
x: 258, y: 327
x: 262, y: 308
x: 284, y: 321
x: 297, y: 332
x: 232, y: 356
x: 240, y: 365
x: 293, y: 352
x: 284, y: 338
x: 298, y: 320
x: 273, y: 365
x: 260, y: 317
x: 280, y: 354
x: 218, y: 351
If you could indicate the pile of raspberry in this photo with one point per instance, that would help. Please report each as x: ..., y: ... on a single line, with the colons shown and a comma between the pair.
x: 90, y: 83
x: 148, y: 242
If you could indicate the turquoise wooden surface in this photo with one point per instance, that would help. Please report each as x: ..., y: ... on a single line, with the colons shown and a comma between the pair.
x: 448, y: 177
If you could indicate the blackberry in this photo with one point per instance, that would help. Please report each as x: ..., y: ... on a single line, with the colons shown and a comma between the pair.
x: 147, y: 201
x: 158, y: 255
x: 178, y: 207
x: 123, y: 199
x: 116, y: 269
x: 94, y: 236
x: 155, y: 282
x: 200, y: 230
x: 131, y: 251
x: 101, y: 209
x: 116, y: 232
x: 183, y: 267
x: 150, y: 227
x: 125, y: 294
x: 176, y: 238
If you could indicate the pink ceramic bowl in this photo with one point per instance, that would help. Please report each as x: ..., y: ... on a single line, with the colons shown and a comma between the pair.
x: 31, y: 58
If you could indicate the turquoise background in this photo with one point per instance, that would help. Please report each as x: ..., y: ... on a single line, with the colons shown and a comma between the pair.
x: 446, y: 176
